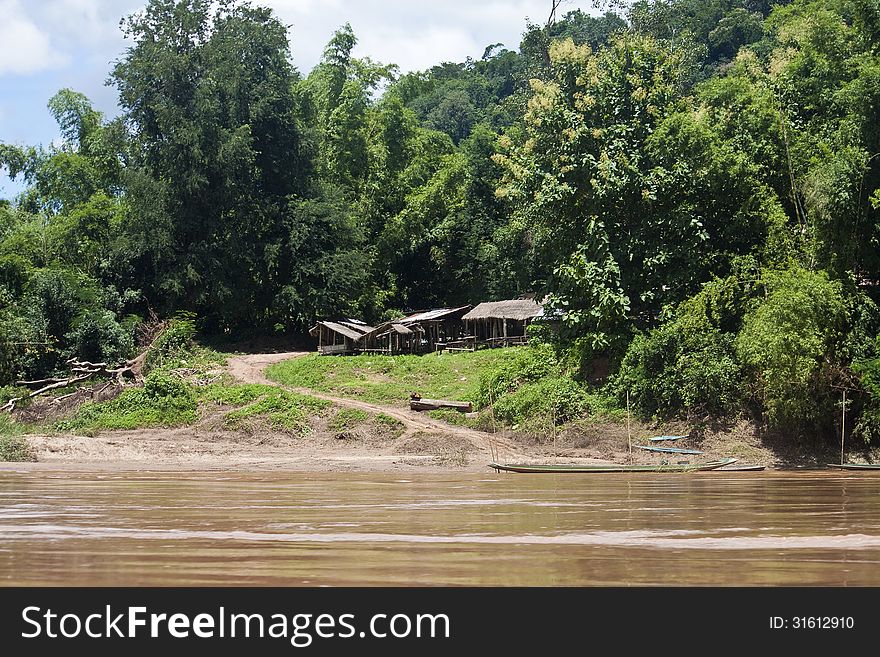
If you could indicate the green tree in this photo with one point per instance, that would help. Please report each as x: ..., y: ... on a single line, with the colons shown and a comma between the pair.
x: 788, y: 342
x: 209, y: 98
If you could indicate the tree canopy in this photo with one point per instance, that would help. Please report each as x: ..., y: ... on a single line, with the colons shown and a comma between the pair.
x: 692, y: 186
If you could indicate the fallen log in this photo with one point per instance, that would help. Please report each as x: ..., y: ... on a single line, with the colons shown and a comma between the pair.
x: 82, y: 370
x: 436, y: 404
x: 38, y: 383
x: 10, y: 405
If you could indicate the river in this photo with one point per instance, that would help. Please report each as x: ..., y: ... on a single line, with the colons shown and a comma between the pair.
x: 271, y: 528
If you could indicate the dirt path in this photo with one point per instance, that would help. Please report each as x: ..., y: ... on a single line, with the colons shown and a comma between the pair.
x: 250, y: 368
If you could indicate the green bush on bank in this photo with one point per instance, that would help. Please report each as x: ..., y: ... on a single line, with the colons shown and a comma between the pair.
x: 787, y: 343
x: 530, y: 382
x: 683, y: 366
x: 175, y: 344
x: 165, y: 400
x: 15, y: 449
x: 282, y: 410
x: 688, y: 365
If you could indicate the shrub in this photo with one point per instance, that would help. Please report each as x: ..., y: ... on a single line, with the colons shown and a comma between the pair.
x: 97, y: 336
x: 685, y: 365
x: 788, y: 342
x: 556, y: 398
x: 175, y: 343
x: 867, y: 425
x: 513, y: 369
x: 15, y: 448
x: 164, y: 400
x: 530, y: 382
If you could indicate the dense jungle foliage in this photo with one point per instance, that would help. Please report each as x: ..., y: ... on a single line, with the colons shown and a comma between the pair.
x: 693, y: 185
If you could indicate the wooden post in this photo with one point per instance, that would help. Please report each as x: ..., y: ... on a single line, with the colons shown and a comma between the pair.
x: 492, y: 446
x: 842, y: 425
x: 628, y: 432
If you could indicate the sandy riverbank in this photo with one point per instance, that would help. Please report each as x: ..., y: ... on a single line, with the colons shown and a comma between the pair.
x: 205, y: 447
x: 418, y: 442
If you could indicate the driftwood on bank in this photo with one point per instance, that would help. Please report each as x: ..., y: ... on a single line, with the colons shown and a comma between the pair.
x: 82, y: 370
x: 418, y: 403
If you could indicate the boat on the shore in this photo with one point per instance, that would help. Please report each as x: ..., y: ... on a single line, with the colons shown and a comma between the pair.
x: 667, y: 450
x: 855, y: 466
x: 740, y: 467
x: 589, y: 468
x: 660, y: 439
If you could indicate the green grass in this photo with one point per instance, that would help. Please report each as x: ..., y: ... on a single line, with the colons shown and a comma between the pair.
x: 451, y: 416
x: 390, y: 379
x: 283, y: 410
x: 154, y: 405
x: 167, y: 402
x: 9, y: 427
x: 388, y: 423
x: 15, y: 448
x: 347, y: 418
x: 234, y: 394
x: 287, y: 411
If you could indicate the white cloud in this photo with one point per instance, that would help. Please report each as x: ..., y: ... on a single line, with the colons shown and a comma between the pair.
x: 417, y: 49
x: 414, y: 35
x: 25, y: 47
x: 37, y: 35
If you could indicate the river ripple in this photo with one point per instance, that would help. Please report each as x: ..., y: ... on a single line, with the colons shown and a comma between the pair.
x: 761, y: 528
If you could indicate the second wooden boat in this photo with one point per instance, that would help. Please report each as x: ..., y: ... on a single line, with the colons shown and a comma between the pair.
x: 608, y: 467
x: 667, y: 450
x: 855, y: 466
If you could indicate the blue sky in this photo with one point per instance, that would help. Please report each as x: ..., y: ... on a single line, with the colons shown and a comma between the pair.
x: 46, y: 45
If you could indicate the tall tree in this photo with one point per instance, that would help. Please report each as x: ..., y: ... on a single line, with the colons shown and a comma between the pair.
x: 207, y: 90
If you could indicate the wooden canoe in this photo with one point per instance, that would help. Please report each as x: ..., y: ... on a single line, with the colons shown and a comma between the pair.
x: 740, y: 468
x: 608, y: 467
x: 667, y: 450
x: 659, y: 439
x: 855, y: 466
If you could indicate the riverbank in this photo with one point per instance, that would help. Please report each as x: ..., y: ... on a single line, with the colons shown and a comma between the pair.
x: 208, y: 447
x: 338, y: 415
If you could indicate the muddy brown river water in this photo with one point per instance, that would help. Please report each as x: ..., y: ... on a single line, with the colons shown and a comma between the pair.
x: 270, y: 528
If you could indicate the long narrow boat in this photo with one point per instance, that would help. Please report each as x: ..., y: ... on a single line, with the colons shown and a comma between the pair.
x: 660, y: 439
x: 855, y: 466
x: 667, y: 450
x: 609, y: 467
x: 740, y: 468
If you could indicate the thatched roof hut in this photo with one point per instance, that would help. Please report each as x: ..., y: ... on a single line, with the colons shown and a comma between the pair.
x: 417, y: 332
x: 516, y: 309
x: 501, y: 322
x: 341, y: 337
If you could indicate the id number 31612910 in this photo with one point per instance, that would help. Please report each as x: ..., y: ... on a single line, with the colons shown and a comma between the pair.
x: 812, y: 623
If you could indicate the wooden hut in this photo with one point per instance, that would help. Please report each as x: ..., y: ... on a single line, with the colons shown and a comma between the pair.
x: 420, y: 332
x: 393, y: 338
x: 439, y: 326
x: 341, y: 337
x: 500, y: 323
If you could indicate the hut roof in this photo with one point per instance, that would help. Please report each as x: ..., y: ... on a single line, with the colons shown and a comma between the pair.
x: 431, y: 315
x: 350, y: 329
x: 394, y: 328
x: 518, y: 309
